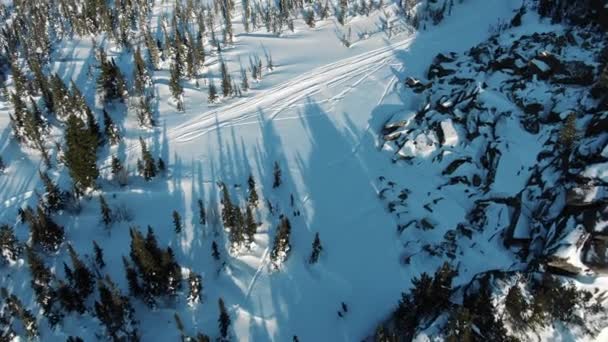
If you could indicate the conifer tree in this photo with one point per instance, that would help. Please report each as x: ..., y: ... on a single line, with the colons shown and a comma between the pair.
x: 177, y: 222
x: 277, y: 176
x: 195, y: 288
x: 244, y: 80
x: 19, y: 80
x: 110, y: 129
x: 144, y: 113
x: 111, y: 82
x: 316, y: 250
x: 10, y: 248
x: 98, y: 253
x: 212, y: 98
x: 253, y: 194
x: 141, y: 76
x: 215, y: 251
x: 226, y: 81
x: 53, y: 199
x: 153, y: 53
x: 45, y: 233
x: 281, y: 246
x: 106, y: 212
x: 149, y: 166
x: 250, y: 225
x: 224, y: 320
x: 83, y: 278
x: 202, y: 215
x: 114, y: 311
x: 81, y: 154
x: 177, y: 90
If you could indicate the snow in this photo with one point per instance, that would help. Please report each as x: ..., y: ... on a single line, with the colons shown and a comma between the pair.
x: 317, y: 114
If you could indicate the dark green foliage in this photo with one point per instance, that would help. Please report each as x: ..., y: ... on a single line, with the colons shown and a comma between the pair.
x: 215, y: 251
x: 159, y: 272
x: 19, y: 80
x: 277, y: 176
x: 177, y: 222
x: 316, y: 250
x: 81, y: 154
x: 116, y: 165
x: 224, y: 320
x: 10, y: 248
x: 250, y: 225
x: 52, y: 199
x: 45, y: 233
x: 98, y: 253
x: 516, y: 306
x: 428, y: 297
x: 459, y: 327
x: 110, y: 129
x: 16, y: 309
x: 106, y: 212
x: 177, y: 90
x: 253, y: 194
x: 82, y: 276
x: 41, y: 284
x: 483, y: 313
x: 144, y: 113
x: 281, y: 246
x: 195, y: 284
x: 226, y: 80
x: 111, y: 83
x: 212, y: 98
x: 148, y: 170
x: 141, y: 75
x: 115, y: 312
x: 202, y: 216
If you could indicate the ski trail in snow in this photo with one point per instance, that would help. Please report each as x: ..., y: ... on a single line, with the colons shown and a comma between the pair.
x: 257, y: 272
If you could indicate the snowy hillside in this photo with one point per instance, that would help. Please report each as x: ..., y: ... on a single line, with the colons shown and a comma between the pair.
x: 307, y: 171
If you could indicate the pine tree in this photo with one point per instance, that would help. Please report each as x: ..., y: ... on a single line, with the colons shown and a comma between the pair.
x: 110, y: 129
x: 83, y: 278
x: 98, y: 252
x: 195, y: 288
x: 459, y: 327
x: 131, y: 274
x: 253, y: 194
x: 19, y: 80
x: 226, y: 81
x: 81, y: 154
x: 10, y: 248
x: 250, y: 225
x: 316, y: 250
x: 212, y: 92
x: 153, y: 53
x: 215, y: 251
x: 202, y: 215
x: 281, y: 246
x: 244, y: 80
x: 568, y: 133
x: 111, y: 82
x: 224, y: 320
x: 114, y: 311
x: 45, y: 233
x: 177, y: 222
x: 53, y: 199
x: 141, y: 76
x: 149, y: 166
x: 277, y: 176
x: 144, y: 112
x: 516, y: 306
x: 177, y: 90
x: 106, y: 212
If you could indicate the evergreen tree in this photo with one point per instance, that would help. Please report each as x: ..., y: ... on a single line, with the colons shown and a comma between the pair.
x: 212, y: 98
x: 177, y: 90
x: 144, y: 113
x: 244, y: 80
x: 277, y: 176
x: 516, y: 306
x: 567, y: 135
x: 106, y: 212
x: 131, y: 274
x: 281, y: 246
x: 316, y: 250
x: 149, y: 165
x: 253, y: 194
x: 83, y: 278
x: 20, y: 82
x: 161, y: 165
x: 153, y: 53
x: 53, y: 199
x: 250, y: 225
x: 98, y: 252
x: 45, y: 233
x: 195, y: 288
x: 114, y: 311
x: 202, y: 215
x: 177, y: 222
x: 226, y: 81
x: 459, y: 327
x: 111, y: 83
x: 81, y: 154
x: 10, y: 248
x: 141, y: 76
x: 224, y: 320
x: 110, y: 129
x: 215, y: 251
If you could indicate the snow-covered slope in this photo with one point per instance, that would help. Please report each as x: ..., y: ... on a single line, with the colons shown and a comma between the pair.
x: 319, y: 113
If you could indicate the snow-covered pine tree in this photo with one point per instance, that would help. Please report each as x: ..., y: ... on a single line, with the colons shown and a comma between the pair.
x: 177, y: 91
x: 253, y: 194
x: 81, y: 154
x: 316, y: 250
x: 281, y: 246
x: 226, y: 80
x: 149, y: 166
x: 53, y: 199
x: 195, y: 285
x: 106, y: 212
x: 110, y: 129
